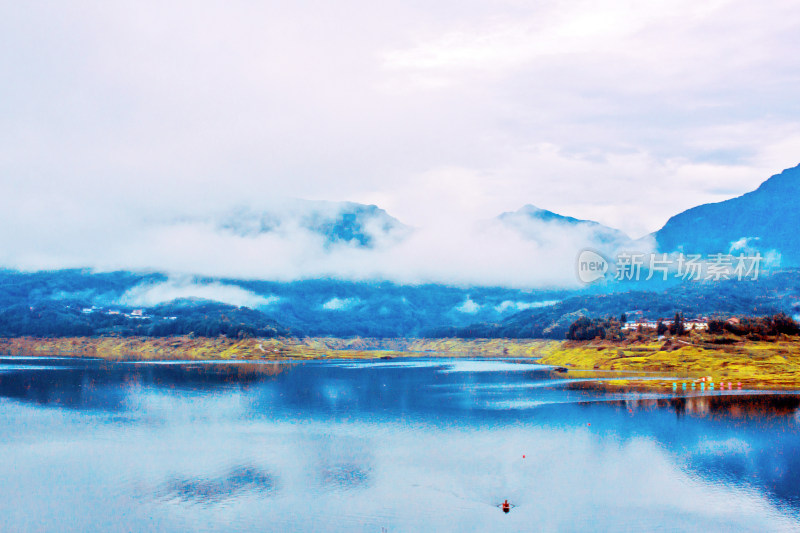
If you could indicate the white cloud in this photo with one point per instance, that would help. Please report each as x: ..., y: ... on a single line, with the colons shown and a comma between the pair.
x: 151, y: 294
x: 468, y: 306
x: 445, y: 114
x: 508, y: 305
x: 340, y: 304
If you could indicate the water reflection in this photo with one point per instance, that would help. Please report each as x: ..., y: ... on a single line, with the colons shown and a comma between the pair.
x: 214, y: 490
x: 343, y: 463
x: 738, y: 405
x: 99, y: 384
x: 418, y: 445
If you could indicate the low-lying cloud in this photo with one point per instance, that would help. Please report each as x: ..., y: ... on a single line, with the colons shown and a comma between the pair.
x: 508, y: 305
x: 340, y: 304
x: 152, y: 294
x: 469, y: 306
x: 455, y: 251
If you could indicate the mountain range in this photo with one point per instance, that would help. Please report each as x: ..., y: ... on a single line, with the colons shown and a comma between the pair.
x: 85, y: 302
x: 765, y: 220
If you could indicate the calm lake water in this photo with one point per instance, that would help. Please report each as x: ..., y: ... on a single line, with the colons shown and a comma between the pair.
x: 415, y: 445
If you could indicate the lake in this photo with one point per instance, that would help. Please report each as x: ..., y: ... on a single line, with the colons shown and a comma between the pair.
x: 383, y: 446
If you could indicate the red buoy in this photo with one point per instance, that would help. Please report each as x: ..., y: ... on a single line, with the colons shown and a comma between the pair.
x: 506, y: 506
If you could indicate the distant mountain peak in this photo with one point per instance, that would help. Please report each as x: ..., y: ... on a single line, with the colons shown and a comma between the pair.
x: 349, y: 223
x: 544, y: 227
x: 767, y: 218
x: 545, y: 215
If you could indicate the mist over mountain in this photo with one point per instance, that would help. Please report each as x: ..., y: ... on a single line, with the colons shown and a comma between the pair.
x: 66, y: 303
x: 764, y: 220
x: 294, y: 241
x: 84, y: 302
x: 126, y: 149
x: 343, y: 223
x: 545, y: 227
x: 351, y: 254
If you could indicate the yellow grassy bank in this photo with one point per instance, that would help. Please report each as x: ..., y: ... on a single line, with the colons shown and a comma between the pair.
x: 138, y: 348
x: 757, y: 365
x: 200, y: 348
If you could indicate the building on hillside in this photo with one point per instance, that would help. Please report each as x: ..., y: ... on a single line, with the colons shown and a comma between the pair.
x: 696, y: 324
x: 644, y: 324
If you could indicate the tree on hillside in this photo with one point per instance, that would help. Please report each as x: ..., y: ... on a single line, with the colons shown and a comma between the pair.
x: 782, y: 323
x: 716, y: 325
x: 677, y: 327
x: 613, y: 331
x: 585, y: 329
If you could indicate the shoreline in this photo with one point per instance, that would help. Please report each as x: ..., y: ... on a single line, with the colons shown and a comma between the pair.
x: 756, y: 365
x: 269, y: 349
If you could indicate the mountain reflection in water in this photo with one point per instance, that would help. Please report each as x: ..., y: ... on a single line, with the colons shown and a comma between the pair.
x: 418, y: 444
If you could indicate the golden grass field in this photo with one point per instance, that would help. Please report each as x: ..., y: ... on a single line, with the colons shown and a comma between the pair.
x: 175, y: 348
x: 756, y: 365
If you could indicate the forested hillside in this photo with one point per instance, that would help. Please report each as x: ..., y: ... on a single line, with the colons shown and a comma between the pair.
x: 70, y: 303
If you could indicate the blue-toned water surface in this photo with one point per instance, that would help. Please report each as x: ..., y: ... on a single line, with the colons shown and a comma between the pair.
x: 396, y: 445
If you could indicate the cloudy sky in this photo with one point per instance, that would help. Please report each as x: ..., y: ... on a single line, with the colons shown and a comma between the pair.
x: 116, y: 114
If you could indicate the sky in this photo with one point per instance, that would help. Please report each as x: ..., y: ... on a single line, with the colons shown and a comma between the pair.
x: 119, y: 118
